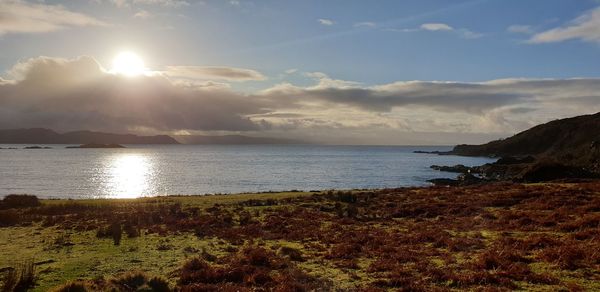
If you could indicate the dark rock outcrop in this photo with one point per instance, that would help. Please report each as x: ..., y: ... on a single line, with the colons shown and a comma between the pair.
x: 561, y: 149
x: 575, y: 139
x: 459, y: 168
x: 547, y: 171
x: 37, y: 147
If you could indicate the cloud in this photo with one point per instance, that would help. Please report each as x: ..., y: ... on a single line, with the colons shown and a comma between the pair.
x: 23, y: 17
x: 441, y: 27
x: 524, y: 29
x: 586, y: 27
x: 365, y: 24
x: 324, y: 81
x: 325, y: 21
x: 143, y: 14
x: 169, y: 3
x: 467, y: 34
x: 78, y: 94
x: 457, y: 97
x: 74, y: 94
x: 164, y: 3
x: 436, y: 27
x: 214, y: 72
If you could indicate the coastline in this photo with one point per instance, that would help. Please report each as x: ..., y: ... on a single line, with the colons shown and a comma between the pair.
x: 471, y: 237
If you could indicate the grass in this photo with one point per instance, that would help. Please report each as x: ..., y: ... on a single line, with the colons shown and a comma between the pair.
x: 542, y: 237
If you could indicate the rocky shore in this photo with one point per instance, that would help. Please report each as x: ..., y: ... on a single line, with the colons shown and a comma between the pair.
x: 558, y: 150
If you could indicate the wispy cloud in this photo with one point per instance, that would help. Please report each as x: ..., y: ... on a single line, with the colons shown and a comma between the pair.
x: 517, y: 28
x: 214, y: 72
x: 325, y: 21
x: 441, y: 27
x: 24, y: 17
x: 165, y: 3
x: 468, y: 34
x: 585, y: 27
x: 436, y: 27
x: 143, y: 14
x: 365, y: 24
x: 324, y: 81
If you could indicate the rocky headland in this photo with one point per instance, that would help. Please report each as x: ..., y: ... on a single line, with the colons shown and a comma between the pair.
x: 561, y: 149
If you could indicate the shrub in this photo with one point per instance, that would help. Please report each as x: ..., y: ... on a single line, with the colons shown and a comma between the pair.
x: 346, y: 197
x: 292, y: 253
x: 131, y: 230
x: 158, y: 284
x: 20, y: 278
x: 19, y: 201
x: 77, y: 286
x: 116, y: 233
x: 197, y: 270
x: 568, y: 256
x: 9, y: 218
x: 130, y: 280
x: 251, y: 267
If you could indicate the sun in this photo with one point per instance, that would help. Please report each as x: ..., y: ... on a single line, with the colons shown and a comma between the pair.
x: 128, y: 64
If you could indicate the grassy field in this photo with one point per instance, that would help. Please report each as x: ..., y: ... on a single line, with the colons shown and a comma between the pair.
x: 543, y: 237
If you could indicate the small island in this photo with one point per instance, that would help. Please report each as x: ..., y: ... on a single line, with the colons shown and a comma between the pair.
x: 96, y: 145
x: 37, y: 147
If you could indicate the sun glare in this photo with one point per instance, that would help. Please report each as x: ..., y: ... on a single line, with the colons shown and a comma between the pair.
x: 128, y: 64
x: 130, y: 175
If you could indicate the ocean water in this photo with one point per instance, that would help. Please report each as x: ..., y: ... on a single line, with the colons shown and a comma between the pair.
x: 151, y: 170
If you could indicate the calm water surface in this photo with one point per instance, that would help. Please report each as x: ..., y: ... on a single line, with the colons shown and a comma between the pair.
x: 150, y: 170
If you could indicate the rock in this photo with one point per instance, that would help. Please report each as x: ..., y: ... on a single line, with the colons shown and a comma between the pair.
x: 515, y: 160
x: 433, y: 152
x: 469, y: 179
x: 547, y: 171
x: 37, y: 147
x: 459, y: 168
x: 444, y: 182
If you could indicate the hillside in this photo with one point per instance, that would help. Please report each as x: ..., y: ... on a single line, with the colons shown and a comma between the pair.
x: 557, y: 150
x: 231, y: 139
x: 46, y: 136
x: 573, y: 140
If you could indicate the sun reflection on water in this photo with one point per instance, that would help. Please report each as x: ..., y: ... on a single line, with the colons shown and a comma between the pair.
x: 129, y: 176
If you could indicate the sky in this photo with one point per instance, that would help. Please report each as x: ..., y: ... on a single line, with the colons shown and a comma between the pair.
x: 336, y: 72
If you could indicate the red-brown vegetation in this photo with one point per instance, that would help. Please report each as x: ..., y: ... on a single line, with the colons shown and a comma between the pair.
x: 493, y: 236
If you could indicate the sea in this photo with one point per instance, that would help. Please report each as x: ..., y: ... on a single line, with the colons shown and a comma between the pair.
x: 157, y: 170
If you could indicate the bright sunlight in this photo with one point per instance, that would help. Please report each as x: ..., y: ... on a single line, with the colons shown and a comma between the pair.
x: 130, y: 175
x: 128, y: 64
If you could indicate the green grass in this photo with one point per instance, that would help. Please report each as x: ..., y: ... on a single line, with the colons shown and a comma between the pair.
x: 91, y: 257
x: 311, y: 226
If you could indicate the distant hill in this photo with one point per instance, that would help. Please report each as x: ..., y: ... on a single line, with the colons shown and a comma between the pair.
x: 575, y: 134
x: 571, y: 141
x: 563, y: 149
x: 46, y: 136
x: 231, y: 139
